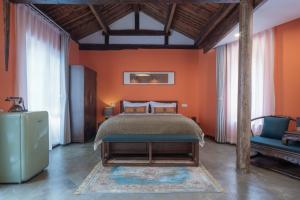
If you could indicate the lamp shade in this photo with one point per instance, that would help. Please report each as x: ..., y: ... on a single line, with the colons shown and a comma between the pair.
x: 108, y: 111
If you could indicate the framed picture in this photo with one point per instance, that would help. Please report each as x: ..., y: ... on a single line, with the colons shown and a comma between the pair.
x: 152, y: 78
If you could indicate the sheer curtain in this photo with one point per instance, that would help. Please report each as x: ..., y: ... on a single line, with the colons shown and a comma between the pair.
x: 221, y: 93
x: 41, y: 74
x: 263, y: 98
x: 232, y: 91
x: 65, y: 132
x: 263, y: 92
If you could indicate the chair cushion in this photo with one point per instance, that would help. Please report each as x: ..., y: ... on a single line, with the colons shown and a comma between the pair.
x: 274, y: 127
x: 275, y: 143
x: 150, y: 138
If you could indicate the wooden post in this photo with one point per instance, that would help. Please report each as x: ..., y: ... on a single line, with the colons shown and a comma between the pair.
x: 244, y: 86
x: 150, y: 152
x: 6, y: 17
x: 137, y: 17
x: 106, y: 39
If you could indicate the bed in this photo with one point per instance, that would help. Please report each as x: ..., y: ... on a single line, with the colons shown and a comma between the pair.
x: 149, y: 139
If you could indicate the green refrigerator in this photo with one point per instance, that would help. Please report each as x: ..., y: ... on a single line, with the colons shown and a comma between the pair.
x: 24, y: 145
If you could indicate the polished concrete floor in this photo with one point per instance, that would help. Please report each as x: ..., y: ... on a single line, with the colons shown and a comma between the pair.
x: 69, y: 166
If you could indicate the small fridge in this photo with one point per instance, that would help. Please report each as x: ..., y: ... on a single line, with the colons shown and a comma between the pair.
x: 24, y: 145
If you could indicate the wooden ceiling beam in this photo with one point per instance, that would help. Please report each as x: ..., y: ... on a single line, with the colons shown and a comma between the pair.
x: 221, y: 31
x: 134, y: 32
x: 101, y: 2
x: 132, y: 46
x: 170, y: 17
x: 99, y: 20
x: 136, y: 8
x: 213, y: 22
x: 224, y: 28
x: 150, y: 9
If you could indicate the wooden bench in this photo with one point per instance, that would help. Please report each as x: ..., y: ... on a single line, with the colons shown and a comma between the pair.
x: 275, y: 147
x: 150, y: 150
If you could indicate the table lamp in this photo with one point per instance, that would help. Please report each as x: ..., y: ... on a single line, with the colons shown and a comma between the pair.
x: 108, y: 112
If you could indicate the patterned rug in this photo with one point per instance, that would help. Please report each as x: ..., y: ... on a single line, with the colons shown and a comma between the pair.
x: 148, y: 180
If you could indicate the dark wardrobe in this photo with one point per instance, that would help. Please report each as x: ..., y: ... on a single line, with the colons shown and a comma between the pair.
x: 83, y: 83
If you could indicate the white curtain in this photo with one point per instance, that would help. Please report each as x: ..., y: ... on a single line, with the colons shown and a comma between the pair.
x: 221, y: 93
x: 263, y: 92
x: 232, y: 91
x: 41, y: 74
x: 65, y: 132
x: 263, y: 98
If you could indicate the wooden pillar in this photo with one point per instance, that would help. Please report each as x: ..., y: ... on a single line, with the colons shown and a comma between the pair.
x: 106, y: 38
x: 166, y: 39
x: 6, y: 17
x: 244, y: 86
x: 137, y: 17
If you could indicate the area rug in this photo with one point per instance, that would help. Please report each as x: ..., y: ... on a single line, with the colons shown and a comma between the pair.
x: 148, y: 180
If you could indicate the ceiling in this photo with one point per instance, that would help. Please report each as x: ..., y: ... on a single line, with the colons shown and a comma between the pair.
x: 79, y: 21
x: 264, y: 17
x: 204, y: 23
x: 146, y: 23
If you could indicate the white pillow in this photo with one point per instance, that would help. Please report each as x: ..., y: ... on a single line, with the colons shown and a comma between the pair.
x: 154, y: 104
x: 132, y: 104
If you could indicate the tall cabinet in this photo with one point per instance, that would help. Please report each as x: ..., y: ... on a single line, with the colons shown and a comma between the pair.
x: 83, y: 83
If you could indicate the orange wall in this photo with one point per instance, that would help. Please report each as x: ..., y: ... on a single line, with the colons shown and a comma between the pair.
x: 7, y: 79
x: 287, y: 68
x: 191, y: 68
x: 73, y: 53
x: 207, y: 93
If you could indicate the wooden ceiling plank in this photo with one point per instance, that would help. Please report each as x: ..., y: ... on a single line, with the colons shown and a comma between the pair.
x: 79, y: 24
x: 162, y: 20
x: 75, y: 19
x: 87, y: 28
x: 213, y: 22
x: 224, y: 28
x: 170, y: 17
x: 68, y: 13
x: 99, y: 20
x: 101, y: 2
x: 116, y: 13
x: 219, y: 32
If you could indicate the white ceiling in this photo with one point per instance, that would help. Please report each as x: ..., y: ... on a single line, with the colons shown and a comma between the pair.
x: 147, y: 23
x: 272, y: 13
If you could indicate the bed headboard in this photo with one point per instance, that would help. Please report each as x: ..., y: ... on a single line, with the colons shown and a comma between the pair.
x: 122, y: 108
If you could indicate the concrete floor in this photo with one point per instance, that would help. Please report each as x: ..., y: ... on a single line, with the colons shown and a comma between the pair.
x: 69, y: 166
